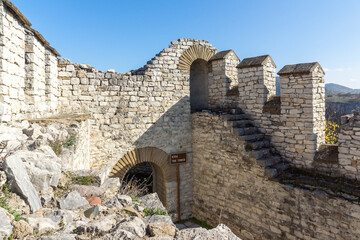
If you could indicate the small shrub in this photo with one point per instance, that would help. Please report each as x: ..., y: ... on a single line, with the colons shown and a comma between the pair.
x: 151, y: 211
x: 71, y: 141
x: 4, y: 197
x: 331, y: 132
x: 57, y: 145
x: 135, y: 188
x: 84, y: 180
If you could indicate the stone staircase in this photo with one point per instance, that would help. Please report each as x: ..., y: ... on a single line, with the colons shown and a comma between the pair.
x: 256, y: 143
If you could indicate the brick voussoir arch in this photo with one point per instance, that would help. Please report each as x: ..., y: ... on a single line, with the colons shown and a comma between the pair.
x: 193, y: 53
x: 152, y: 155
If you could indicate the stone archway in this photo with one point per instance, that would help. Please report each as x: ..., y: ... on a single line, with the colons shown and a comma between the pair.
x: 193, y: 53
x: 163, y: 172
x: 199, y: 86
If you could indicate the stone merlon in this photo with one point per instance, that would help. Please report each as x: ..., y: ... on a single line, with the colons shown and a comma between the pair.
x: 302, y: 68
x: 254, y: 61
x: 222, y: 55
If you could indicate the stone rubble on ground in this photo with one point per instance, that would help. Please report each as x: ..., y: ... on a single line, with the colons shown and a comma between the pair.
x: 62, y: 209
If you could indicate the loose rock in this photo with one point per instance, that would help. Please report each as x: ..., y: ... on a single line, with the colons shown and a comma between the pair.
x: 16, y: 173
x: 159, y: 229
x: 73, y: 201
x: 5, y: 224
x: 22, y: 229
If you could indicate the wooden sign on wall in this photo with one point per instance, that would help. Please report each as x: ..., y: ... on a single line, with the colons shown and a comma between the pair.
x: 178, y: 158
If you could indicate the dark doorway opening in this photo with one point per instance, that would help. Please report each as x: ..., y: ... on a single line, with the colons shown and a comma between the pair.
x: 142, y: 174
x: 199, y: 90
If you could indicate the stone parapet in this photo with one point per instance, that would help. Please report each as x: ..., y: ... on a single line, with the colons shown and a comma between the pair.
x: 349, y: 142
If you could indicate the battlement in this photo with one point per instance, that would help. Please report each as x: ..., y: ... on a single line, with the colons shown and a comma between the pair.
x: 191, y: 98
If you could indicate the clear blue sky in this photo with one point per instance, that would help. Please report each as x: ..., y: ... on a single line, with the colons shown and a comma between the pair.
x: 125, y: 34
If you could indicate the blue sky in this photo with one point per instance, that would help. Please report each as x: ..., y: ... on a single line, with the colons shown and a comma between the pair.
x: 125, y: 34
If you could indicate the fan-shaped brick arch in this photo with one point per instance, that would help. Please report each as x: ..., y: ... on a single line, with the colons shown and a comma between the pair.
x: 193, y: 53
x: 163, y: 172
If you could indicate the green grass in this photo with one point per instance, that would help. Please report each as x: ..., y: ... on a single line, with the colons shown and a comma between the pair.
x: 5, y: 192
x: 84, y: 180
x: 57, y: 145
x: 202, y: 224
x: 151, y: 211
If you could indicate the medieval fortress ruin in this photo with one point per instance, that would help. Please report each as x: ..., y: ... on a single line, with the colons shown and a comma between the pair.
x: 239, y: 138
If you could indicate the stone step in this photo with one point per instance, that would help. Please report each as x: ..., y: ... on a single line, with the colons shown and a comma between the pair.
x: 260, y: 153
x: 245, y: 131
x: 269, y: 161
x: 242, y: 123
x: 231, y: 117
x: 253, y: 137
x: 257, y: 145
x: 275, y: 170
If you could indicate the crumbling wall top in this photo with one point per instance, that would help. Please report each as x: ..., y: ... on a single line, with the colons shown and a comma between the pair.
x: 18, y: 14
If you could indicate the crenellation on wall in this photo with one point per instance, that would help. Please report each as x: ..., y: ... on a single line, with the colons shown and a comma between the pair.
x: 235, y: 192
x: 349, y: 142
x: 302, y: 112
x: 222, y: 79
x: 257, y: 84
x: 226, y: 178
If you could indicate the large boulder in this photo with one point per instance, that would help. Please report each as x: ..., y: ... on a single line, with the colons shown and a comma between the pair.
x: 20, y: 181
x: 42, y: 166
x: 160, y: 229
x: 5, y: 224
x: 152, y: 201
x: 159, y: 218
x: 41, y: 224
x: 221, y: 232
x: 14, y: 137
x: 128, y: 227
x: 111, y: 186
x: 73, y: 201
x: 58, y: 216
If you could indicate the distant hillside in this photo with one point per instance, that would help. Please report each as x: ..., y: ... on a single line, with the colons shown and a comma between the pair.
x: 341, y: 89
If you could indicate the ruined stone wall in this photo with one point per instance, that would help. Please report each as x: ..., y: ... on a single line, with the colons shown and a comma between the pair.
x: 28, y: 66
x: 295, y: 123
x: 12, y: 96
x: 349, y: 142
x: 127, y: 111
x: 230, y: 188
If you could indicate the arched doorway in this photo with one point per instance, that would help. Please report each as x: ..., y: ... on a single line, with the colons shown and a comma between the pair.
x: 162, y: 172
x: 199, y: 90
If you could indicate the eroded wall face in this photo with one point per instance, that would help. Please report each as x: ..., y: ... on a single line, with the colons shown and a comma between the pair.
x: 27, y: 68
x: 229, y: 188
x: 149, y: 108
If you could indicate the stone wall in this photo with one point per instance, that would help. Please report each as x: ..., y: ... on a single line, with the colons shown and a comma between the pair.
x: 146, y: 108
x: 349, y: 142
x: 297, y: 130
x: 223, y: 79
x: 303, y: 112
x: 230, y: 188
x: 28, y: 63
